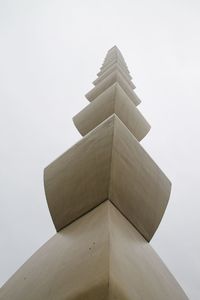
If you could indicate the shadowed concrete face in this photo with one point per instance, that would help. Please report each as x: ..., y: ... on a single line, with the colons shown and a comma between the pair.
x: 100, y: 256
x: 108, y: 163
x: 112, y: 100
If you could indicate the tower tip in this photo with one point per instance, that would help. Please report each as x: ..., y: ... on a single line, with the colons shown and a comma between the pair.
x: 114, y: 48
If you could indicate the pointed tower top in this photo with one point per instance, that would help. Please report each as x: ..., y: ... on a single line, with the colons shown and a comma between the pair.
x: 114, y: 48
x: 113, y: 70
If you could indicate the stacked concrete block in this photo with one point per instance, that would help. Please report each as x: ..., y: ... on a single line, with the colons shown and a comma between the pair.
x: 106, y: 197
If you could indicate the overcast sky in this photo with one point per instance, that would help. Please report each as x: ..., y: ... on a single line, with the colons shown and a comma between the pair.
x: 50, y: 52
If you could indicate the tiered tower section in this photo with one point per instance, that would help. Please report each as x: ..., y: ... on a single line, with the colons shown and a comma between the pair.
x: 109, y: 163
x: 106, y: 197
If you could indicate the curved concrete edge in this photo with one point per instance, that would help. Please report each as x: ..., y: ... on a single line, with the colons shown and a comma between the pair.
x: 112, y: 101
x: 78, y: 180
x: 115, y: 76
x: 138, y: 180
x: 115, y: 67
x: 108, y: 163
x: 100, y: 256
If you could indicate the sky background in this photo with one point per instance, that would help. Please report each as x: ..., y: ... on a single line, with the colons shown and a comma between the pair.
x: 49, y: 55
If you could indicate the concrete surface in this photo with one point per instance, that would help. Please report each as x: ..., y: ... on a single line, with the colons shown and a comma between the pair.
x: 112, y: 100
x: 114, y: 55
x: 115, y: 67
x: 113, y: 77
x: 108, y: 163
x: 106, y: 197
x: 110, y: 65
x: 100, y: 256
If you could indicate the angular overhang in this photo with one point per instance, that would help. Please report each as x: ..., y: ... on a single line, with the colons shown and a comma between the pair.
x: 113, y: 77
x: 100, y: 256
x: 112, y: 101
x: 113, y: 59
x: 108, y: 163
x: 110, y: 65
x: 115, y: 67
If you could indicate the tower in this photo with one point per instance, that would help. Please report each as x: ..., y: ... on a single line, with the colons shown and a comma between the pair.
x: 106, y: 197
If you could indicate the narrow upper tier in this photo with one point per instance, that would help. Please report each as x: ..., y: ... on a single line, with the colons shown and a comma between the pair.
x: 114, y: 55
x: 114, y: 77
x: 113, y: 70
x: 112, y: 100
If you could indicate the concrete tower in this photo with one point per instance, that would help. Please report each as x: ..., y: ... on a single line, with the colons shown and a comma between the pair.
x: 106, y: 197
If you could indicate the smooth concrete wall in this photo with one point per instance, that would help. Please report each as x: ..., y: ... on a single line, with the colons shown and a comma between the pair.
x: 100, y: 256
x: 139, y: 189
x: 79, y: 179
x: 136, y: 271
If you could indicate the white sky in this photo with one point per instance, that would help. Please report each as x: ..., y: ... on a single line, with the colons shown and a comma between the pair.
x: 50, y: 52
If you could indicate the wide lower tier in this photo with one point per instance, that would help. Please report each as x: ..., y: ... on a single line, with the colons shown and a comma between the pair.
x: 101, y: 256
